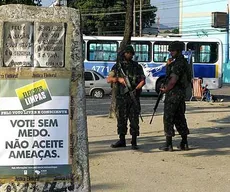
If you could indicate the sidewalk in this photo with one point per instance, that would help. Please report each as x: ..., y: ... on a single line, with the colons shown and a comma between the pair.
x: 223, y: 93
x: 203, y: 168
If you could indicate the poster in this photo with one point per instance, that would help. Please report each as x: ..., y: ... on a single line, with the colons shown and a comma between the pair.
x: 34, y: 117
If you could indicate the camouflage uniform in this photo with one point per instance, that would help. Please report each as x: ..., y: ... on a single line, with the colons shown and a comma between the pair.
x: 125, y: 107
x: 174, y: 108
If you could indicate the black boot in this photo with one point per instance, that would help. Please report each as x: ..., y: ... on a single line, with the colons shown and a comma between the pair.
x: 120, y: 143
x: 168, y: 145
x: 134, y: 142
x: 184, y: 143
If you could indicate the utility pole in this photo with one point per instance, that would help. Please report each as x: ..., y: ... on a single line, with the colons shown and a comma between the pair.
x: 140, y: 32
x: 227, y: 31
x: 158, y: 24
x: 134, y: 19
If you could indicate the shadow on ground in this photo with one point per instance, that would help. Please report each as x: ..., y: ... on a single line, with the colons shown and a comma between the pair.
x: 205, y: 141
x: 104, y: 186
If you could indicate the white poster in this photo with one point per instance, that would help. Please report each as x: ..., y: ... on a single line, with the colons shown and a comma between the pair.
x: 35, y: 126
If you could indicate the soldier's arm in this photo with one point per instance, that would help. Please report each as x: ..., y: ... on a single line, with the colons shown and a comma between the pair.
x: 177, y: 71
x: 113, y: 77
x: 141, y: 76
x: 171, y: 83
x: 141, y: 84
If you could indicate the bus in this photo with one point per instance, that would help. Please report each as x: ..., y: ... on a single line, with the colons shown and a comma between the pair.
x: 100, y: 54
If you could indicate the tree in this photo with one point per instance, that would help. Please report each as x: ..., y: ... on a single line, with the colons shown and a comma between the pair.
x: 126, y: 40
x: 167, y: 31
x: 175, y: 31
x: 148, y: 14
x: 128, y: 25
x: 107, y: 17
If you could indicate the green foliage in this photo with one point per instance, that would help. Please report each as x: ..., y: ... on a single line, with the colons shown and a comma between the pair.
x: 107, y: 17
x: 167, y: 31
x: 175, y: 31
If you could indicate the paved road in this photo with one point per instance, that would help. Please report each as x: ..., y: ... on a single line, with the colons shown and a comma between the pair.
x: 101, y: 106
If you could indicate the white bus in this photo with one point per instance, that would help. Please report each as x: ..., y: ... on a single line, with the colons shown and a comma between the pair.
x: 100, y: 54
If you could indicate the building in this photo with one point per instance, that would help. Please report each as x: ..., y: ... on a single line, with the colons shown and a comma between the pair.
x: 58, y: 3
x: 196, y: 21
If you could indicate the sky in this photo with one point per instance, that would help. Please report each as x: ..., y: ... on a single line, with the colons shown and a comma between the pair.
x: 46, y: 3
x: 168, y: 11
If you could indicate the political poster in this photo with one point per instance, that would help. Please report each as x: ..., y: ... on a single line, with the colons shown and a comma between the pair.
x: 34, y: 119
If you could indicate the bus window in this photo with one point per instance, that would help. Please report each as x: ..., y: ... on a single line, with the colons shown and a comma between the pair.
x: 204, y: 52
x: 142, y: 51
x: 102, y: 51
x: 160, y: 51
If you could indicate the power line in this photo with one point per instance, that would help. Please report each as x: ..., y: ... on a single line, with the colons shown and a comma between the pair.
x: 192, y: 27
x: 116, y: 13
x: 147, y: 10
x: 176, y: 23
x: 116, y: 7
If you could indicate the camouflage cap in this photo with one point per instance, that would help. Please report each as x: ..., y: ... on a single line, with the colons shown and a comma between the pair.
x: 129, y: 48
x: 176, y: 46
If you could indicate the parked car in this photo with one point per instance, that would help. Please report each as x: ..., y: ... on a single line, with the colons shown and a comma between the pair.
x: 96, y: 84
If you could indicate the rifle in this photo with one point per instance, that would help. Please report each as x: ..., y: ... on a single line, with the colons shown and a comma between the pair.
x: 158, y: 100
x: 127, y: 82
x: 156, y: 105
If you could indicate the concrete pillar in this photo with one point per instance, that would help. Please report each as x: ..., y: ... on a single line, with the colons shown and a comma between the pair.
x: 43, y: 142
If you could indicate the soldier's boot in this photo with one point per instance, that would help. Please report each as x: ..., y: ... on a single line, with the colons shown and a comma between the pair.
x: 134, y: 142
x: 183, y: 144
x: 120, y: 143
x: 168, y: 145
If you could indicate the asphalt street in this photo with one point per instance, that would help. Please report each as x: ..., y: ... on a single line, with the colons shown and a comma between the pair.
x: 100, y: 107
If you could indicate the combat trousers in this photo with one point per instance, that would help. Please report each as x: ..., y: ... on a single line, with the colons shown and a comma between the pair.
x: 126, y: 110
x: 174, y: 114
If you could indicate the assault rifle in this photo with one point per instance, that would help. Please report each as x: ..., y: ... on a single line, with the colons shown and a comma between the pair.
x: 158, y: 101
x: 156, y: 105
x: 127, y: 82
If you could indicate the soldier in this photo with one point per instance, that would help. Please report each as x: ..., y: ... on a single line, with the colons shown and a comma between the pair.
x: 125, y: 106
x: 175, y: 93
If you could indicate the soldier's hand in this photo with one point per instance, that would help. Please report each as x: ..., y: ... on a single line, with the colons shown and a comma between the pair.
x: 121, y: 81
x: 163, y: 89
x: 169, y: 61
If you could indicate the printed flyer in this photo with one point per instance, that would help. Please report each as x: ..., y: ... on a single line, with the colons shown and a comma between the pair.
x: 34, y: 117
